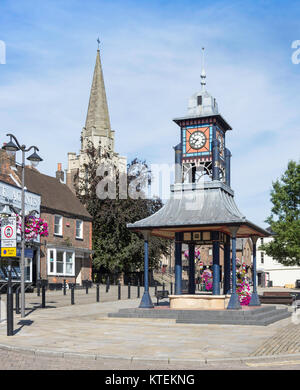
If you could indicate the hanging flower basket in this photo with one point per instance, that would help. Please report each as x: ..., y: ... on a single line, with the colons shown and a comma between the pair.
x: 33, y: 227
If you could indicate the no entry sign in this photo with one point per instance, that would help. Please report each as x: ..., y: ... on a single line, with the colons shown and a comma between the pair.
x: 8, y: 237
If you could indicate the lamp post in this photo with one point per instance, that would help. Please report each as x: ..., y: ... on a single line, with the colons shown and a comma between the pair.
x: 34, y: 158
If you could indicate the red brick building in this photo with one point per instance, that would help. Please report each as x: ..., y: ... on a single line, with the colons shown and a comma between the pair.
x: 66, y: 252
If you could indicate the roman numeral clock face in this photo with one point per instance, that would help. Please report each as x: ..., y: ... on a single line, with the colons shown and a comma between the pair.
x: 197, y: 140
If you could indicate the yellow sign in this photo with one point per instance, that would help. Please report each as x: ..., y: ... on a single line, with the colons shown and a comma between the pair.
x: 8, y: 252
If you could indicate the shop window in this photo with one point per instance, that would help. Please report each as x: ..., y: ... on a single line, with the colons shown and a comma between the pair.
x: 69, y: 263
x: 58, y: 221
x: 51, y: 262
x: 262, y: 260
x: 61, y: 262
x: 79, y: 229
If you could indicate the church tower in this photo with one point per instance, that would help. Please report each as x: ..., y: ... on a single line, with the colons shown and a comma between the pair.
x: 97, y: 130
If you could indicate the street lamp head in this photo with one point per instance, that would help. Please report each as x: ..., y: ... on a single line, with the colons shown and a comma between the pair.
x: 10, y: 146
x: 35, y: 159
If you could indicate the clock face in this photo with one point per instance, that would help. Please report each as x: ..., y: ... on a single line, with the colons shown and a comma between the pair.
x: 197, y: 140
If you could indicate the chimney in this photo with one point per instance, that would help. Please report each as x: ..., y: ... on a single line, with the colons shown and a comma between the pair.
x: 60, y: 173
x: 7, y: 161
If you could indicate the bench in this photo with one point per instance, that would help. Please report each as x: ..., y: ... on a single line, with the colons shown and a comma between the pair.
x: 161, y: 295
x: 277, y: 297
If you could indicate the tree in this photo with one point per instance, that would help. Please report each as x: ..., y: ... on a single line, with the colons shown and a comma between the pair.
x: 116, y: 248
x: 284, y: 219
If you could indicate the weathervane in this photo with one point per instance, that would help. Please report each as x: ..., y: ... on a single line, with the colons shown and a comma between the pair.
x: 203, y: 74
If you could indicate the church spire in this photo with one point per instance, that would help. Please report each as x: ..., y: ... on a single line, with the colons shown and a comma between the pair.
x: 97, y: 120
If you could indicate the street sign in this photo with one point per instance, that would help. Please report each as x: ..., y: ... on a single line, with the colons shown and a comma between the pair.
x: 8, y: 237
x: 8, y: 252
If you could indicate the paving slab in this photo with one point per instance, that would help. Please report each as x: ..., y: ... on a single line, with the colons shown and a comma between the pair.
x: 86, y: 329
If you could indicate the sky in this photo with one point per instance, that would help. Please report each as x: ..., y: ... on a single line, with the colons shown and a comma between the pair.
x: 151, y: 58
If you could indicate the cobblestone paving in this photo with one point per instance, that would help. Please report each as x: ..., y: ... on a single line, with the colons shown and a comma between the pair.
x: 285, y: 341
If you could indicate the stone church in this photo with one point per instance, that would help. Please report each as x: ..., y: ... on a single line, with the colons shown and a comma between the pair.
x: 97, y: 131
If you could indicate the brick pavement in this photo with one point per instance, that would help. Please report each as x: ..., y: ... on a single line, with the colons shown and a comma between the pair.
x: 285, y: 341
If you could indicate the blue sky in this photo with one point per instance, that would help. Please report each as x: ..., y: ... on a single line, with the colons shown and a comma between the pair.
x: 151, y: 56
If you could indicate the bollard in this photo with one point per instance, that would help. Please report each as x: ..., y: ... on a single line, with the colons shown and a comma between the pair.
x: 164, y: 286
x: 98, y: 293
x: 38, y: 288
x: 17, y: 301
x: 119, y: 291
x: 65, y: 287
x: 87, y: 288
x: 72, y: 294
x: 107, y: 284
x: 171, y: 288
x: 155, y: 288
x: 138, y: 289
x: 128, y: 290
x: 43, y: 297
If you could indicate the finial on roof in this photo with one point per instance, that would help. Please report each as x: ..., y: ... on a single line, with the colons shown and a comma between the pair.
x: 203, y: 74
x: 98, y: 40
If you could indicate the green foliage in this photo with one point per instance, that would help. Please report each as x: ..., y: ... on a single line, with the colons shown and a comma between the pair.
x: 284, y: 219
x: 116, y: 248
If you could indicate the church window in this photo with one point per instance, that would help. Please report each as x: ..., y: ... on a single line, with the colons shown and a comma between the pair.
x: 199, y: 100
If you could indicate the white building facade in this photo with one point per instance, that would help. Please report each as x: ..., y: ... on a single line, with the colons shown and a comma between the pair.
x: 271, y: 272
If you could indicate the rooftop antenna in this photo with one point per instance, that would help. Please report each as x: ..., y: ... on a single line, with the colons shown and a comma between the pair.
x: 203, y: 74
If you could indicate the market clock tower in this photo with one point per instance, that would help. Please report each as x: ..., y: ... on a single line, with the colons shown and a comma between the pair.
x: 202, y: 151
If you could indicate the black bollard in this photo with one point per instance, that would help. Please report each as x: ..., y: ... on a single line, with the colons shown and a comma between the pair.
x: 107, y: 284
x: 171, y: 288
x: 138, y: 289
x: 43, y: 296
x: 119, y: 291
x: 17, y: 301
x: 72, y: 294
x: 98, y: 293
x: 128, y: 290
x: 65, y: 287
x: 86, y: 288
x: 38, y: 288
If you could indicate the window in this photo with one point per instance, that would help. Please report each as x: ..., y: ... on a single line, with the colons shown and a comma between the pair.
x: 199, y: 100
x: 58, y: 225
x: 261, y: 241
x: 51, y: 261
x: 79, y: 229
x: 262, y: 257
x: 61, y: 262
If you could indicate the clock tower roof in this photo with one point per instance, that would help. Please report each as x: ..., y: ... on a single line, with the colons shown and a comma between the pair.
x: 202, y: 104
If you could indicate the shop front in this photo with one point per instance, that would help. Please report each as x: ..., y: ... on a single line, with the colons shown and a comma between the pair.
x: 10, y: 204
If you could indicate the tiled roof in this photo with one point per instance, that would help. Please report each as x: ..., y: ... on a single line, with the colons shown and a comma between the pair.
x: 55, y: 195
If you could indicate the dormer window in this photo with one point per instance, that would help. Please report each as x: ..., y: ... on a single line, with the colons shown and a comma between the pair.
x: 199, y: 100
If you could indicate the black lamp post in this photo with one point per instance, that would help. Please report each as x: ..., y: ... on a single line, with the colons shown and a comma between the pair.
x: 13, y: 146
x: 9, y: 294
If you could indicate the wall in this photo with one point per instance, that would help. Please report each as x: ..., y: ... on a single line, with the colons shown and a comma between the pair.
x: 67, y: 240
